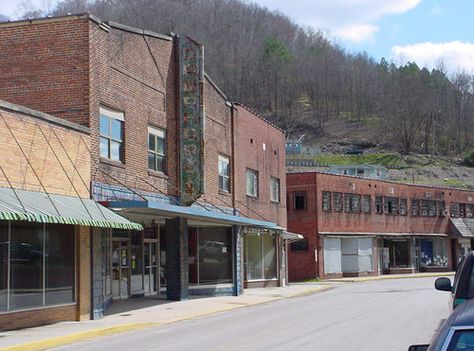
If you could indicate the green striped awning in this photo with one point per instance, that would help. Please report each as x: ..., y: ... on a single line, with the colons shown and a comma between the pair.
x: 31, y: 206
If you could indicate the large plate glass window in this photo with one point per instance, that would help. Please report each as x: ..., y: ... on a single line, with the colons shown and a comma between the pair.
x: 274, y: 189
x: 224, y: 173
x: 260, y: 253
x: 252, y: 182
x: 111, y: 134
x: 156, y: 149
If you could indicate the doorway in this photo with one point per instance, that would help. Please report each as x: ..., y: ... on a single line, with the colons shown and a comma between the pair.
x: 120, y: 269
x: 150, y: 252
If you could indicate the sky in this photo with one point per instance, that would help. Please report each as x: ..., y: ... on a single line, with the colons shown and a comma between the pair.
x: 432, y: 33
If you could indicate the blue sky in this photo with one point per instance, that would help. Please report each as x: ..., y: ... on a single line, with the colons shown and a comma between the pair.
x: 429, y: 32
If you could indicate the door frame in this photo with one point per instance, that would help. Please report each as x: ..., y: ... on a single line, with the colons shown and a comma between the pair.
x: 120, y: 241
x: 157, y: 264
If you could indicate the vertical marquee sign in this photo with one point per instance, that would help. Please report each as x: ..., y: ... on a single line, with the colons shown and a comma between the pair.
x: 191, y: 77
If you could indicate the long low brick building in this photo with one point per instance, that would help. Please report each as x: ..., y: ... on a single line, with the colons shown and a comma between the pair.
x: 356, y: 227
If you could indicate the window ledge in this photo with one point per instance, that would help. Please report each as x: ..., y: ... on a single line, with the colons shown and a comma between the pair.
x: 157, y: 174
x: 225, y: 193
x: 112, y: 162
x: 252, y: 196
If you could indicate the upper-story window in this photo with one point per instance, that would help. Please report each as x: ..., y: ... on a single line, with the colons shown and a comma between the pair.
x: 156, y: 149
x: 391, y: 205
x: 300, y: 201
x: 111, y: 134
x: 224, y: 173
x: 403, y: 207
x: 366, y: 204
x: 379, y: 204
x: 415, y: 207
x: 274, y: 189
x: 252, y: 182
x: 326, y: 201
x: 337, y: 202
x: 454, y: 209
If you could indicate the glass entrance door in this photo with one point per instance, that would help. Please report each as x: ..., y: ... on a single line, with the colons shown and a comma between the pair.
x: 120, y: 269
x: 151, y: 267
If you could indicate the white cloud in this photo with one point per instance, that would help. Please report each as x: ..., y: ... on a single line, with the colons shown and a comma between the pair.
x: 455, y: 55
x: 353, y: 20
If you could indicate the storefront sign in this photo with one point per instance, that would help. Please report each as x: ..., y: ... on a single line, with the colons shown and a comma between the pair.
x: 191, y: 73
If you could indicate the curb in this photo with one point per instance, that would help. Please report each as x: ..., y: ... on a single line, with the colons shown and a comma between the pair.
x: 387, y: 277
x: 123, y: 328
x: 81, y: 336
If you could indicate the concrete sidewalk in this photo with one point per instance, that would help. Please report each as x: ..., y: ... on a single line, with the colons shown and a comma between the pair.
x: 140, y: 313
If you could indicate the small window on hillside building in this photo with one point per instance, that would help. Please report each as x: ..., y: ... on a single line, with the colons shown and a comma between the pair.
x: 337, y: 202
x: 224, y: 173
x: 326, y: 201
x: 252, y: 182
x: 274, y: 189
x: 366, y: 204
x: 415, y: 207
x: 111, y: 134
x: 156, y: 149
x: 379, y: 204
x: 300, y: 201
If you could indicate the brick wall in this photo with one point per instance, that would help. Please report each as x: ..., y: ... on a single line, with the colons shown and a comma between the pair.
x: 44, y: 65
x: 217, y: 140
x: 134, y: 74
x: 37, y: 317
x: 259, y: 146
x: 57, y: 153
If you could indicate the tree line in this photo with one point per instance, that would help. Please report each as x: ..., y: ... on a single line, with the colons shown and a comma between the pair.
x: 298, y: 78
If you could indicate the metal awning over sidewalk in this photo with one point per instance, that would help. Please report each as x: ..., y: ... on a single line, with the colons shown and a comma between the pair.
x: 461, y: 227
x: 31, y: 206
x: 139, y: 210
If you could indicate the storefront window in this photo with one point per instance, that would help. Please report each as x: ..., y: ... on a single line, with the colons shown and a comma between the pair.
x: 260, y: 251
x: 433, y: 253
x: 59, y: 259
x: 253, y: 250
x: 39, y: 262
x: 192, y: 256
x: 215, y: 255
x: 3, y: 265
x: 269, y: 257
x: 399, y: 251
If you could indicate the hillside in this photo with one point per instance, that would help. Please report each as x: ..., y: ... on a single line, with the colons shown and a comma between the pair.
x: 307, y: 84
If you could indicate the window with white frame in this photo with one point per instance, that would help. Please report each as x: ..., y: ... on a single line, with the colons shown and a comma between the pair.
x: 111, y: 134
x: 224, y: 173
x: 252, y: 182
x: 274, y: 189
x: 156, y: 149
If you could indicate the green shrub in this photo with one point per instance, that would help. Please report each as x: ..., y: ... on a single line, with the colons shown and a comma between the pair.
x: 469, y: 159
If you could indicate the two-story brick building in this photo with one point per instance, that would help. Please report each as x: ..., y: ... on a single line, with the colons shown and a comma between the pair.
x: 354, y: 226
x: 167, y: 150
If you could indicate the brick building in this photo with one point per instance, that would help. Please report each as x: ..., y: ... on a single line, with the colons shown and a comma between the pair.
x: 354, y: 226
x: 46, y: 218
x: 167, y: 150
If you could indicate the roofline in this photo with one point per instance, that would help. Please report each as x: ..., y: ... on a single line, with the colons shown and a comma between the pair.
x: 214, y: 85
x: 89, y: 16
x: 4, y: 105
x: 259, y: 116
x: 378, y: 180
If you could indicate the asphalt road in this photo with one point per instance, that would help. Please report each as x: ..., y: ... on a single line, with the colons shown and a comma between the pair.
x: 378, y: 315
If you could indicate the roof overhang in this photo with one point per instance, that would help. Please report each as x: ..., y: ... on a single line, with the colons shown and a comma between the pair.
x: 197, y: 216
x: 347, y: 234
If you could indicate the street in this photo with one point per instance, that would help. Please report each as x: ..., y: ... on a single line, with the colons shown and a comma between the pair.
x: 377, y: 315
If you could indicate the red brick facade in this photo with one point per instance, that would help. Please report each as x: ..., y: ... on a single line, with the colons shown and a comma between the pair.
x: 315, y: 222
